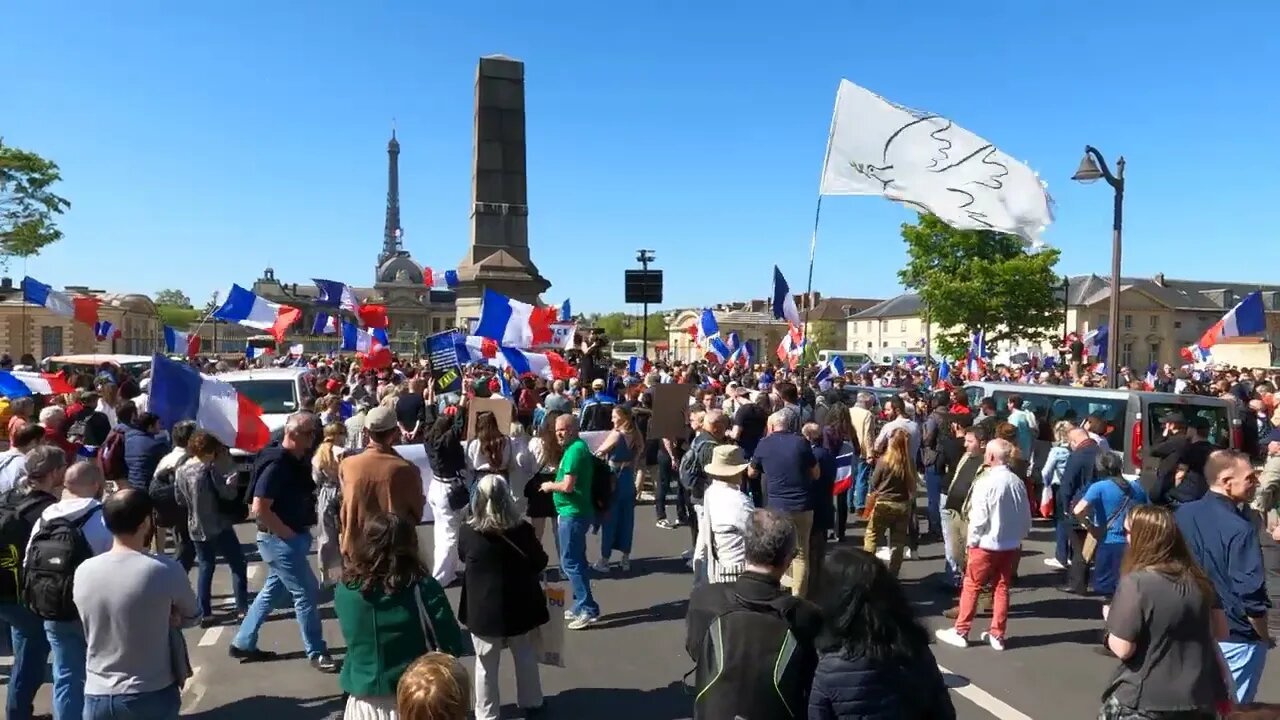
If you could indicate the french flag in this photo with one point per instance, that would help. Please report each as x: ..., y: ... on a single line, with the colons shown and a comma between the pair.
x: 180, y: 393
x: 1248, y: 317
x: 23, y: 383
x: 1152, y: 376
x: 844, y: 473
x: 177, y: 341
x: 84, y: 309
x: 741, y: 356
x: 791, y: 346
x: 637, y: 365
x: 717, y: 351
x: 325, y: 324
x: 512, y: 323
x: 833, y: 368
x: 1095, y: 343
x: 784, y: 305
x: 245, y: 308
x: 549, y: 365
x: 333, y: 294
x: 373, y: 352
x: 977, y: 354
x: 105, y: 329
x: 253, y: 353
x: 707, y: 327
x: 733, y: 341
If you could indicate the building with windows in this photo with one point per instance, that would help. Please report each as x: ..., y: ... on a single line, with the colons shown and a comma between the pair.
x: 1158, y: 317
x: 26, y: 328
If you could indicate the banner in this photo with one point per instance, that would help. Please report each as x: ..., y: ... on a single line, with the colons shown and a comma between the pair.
x: 442, y: 352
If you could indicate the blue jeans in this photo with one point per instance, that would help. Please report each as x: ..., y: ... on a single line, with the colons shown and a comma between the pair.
x: 289, y: 576
x: 933, y: 494
x: 30, y: 655
x: 66, y: 640
x: 1246, y: 662
x: 620, y: 524
x: 227, y: 545
x: 861, y: 483
x: 159, y: 705
x: 573, y: 562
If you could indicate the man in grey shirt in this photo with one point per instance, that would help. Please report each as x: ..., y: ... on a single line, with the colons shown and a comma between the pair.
x: 129, y: 601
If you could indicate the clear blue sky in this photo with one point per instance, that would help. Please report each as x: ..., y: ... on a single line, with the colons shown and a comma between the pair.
x: 201, y: 142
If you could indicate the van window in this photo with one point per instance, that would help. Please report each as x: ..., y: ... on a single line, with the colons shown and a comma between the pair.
x: 1049, y: 409
x: 1219, y: 422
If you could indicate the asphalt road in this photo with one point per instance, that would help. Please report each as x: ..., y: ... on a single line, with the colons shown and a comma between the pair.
x: 630, y: 665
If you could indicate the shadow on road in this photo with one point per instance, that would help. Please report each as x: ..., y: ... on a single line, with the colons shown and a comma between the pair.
x: 672, y: 702
x: 673, y: 610
x: 276, y: 708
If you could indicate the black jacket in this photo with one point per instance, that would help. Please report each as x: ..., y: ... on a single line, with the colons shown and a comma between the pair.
x: 710, y: 600
x: 958, y: 484
x: 1077, y: 476
x: 863, y: 689
x: 444, y: 449
x: 1158, y: 465
x: 501, y: 589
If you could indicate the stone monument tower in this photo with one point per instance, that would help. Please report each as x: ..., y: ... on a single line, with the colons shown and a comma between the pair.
x: 498, y: 256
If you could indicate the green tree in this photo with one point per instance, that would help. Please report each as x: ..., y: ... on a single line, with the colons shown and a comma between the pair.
x: 173, y: 297
x: 178, y: 317
x: 974, y: 280
x: 619, y: 325
x: 27, y: 203
x: 822, y: 335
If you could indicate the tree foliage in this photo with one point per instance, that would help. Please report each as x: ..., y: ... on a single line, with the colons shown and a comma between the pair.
x: 622, y: 325
x: 27, y: 203
x: 972, y: 280
x: 821, y: 336
x: 178, y: 317
x: 173, y: 297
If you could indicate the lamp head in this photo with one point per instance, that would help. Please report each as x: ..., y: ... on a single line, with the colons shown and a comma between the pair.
x: 1088, y: 171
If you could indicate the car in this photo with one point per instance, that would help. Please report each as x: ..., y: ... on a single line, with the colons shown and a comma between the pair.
x: 880, y: 394
x: 1134, y: 418
x: 135, y: 365
x: 280, y: 392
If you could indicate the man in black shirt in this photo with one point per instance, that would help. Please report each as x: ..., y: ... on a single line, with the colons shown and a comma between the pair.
x: 748, y: 428
x: 411, y: 412
x: 283, y: 499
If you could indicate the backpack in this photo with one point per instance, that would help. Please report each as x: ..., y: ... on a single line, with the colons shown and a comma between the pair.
x: 111, y: 456
x: 692, y: 475
x: 602, y: 481
x: 597, y: 416
x: 164, y: 495
x: 16, y: 521
x: 751, y: 665
x: 56, y: 550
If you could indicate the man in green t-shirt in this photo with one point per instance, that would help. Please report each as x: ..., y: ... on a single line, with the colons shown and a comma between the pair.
x: 571, y: 493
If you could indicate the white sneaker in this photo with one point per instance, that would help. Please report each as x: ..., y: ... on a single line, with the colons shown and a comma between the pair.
x: 568, y: 615
x: 625, y: 563
x: 601, y: 566
x: 1053, y: 563
x: 582, y: 623
x: 906, y: 553
x: 995, y: 642
x: 951, y: 637
x: 687, y: 554
x: 883, y: 554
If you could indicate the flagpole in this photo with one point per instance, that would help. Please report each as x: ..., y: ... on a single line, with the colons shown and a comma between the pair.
x: 813, y: 239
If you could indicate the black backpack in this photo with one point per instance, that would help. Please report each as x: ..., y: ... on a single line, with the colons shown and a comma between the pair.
x: 17, y: 516
x: 693, y: 475
x: 597, y: 417
x: 164, y: 495
x: 602, y: 482
x: 56, y: 550
x: 752, y: 666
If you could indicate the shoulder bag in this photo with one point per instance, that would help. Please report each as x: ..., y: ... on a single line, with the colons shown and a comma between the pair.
x: 1096, y: 535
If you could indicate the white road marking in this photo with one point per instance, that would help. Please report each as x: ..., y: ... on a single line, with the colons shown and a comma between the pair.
x: 210, y: 636
x: 6, y: 660
x: 983, y: 699
x: 193, y: 691
x: 253, y: 571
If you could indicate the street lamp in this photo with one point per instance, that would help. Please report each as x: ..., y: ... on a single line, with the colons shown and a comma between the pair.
x: 644, y: 257
x: 1093, y: 168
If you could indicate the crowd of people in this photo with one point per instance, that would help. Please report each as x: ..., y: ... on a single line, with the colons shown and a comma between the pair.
x: 774, y: 472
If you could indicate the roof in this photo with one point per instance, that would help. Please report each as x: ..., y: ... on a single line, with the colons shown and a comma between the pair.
x: 1178, y: 294
x: 837, y: 308
x: 905, y: 305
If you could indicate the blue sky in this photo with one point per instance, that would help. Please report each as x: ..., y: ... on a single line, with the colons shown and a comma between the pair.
x: 201, y: 142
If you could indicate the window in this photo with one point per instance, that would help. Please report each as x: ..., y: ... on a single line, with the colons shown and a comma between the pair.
x: 275, y: 397
x: 1128, y: 322
x: 1219, y: 423
x: 884, y: 344
x: 1102, y: 320
x: 50, y: 340
x: 1126, y: 354
x: 868, y: 326
x: 1177, y: 324
x: 884, y: 326
x: 902, y: 327
x: 1153, y: 355
x: 870, y: 345
x: 1049, y: 409
x: 1155, y: 322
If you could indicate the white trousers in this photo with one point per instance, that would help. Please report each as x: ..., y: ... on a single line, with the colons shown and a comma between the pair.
x: 528, y: 683
x: 445, y: 565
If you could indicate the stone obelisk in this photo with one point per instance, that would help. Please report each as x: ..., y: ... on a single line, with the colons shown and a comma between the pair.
x: 498, y: 256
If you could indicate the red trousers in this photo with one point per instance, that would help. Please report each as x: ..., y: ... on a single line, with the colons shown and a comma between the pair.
x: 987, y: 568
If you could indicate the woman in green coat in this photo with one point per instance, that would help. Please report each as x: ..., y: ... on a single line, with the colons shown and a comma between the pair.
x: 390, y: 611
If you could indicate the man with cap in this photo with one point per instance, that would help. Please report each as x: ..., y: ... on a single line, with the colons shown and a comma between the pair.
x: 1160, y: 461
x: 378, y: 480
x: 597, y: 410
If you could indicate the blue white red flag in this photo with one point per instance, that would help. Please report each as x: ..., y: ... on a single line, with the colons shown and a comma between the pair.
x: 180, y: 393
x: 784, y: 304
x: 179, y: 342
x: 334, y: 294
x: 245, y: 308
x: 512, y: 323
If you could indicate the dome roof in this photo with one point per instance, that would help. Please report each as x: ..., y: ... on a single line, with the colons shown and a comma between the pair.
x: 400, y: 269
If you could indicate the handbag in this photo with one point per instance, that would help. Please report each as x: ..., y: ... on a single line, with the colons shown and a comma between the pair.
x: 1095, y: 535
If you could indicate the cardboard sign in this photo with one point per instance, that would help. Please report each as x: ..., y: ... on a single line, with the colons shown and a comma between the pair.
x: 670, y: 420
x: 500, y: 407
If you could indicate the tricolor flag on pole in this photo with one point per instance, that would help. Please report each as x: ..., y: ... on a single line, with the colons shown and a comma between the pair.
x: 784, y: 304
x: 733, y: 342
x: 1095, y: 343
x: 373, y: 352
x: 244, y: 308
x: 637, y: 365
x: 1248, y: 317
x: 512, y: 323
x: 333, y: 294
x: 82, y: 308
x: 549, y: 365
x: 977, y: 355
x: 831, y: 369
x: 707, y: 327
x: 717, y: 351
x: 179, y: 342
x: 106, y: 330
x: 24, y: 383
x: 742, y: 356
x: 791, y: 346
x: 931, y: 164
x: 325, y: 324
x: 253, y: 353
x: 180, y: 393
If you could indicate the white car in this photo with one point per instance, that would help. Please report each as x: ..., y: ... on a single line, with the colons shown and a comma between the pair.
x: 280, y: 392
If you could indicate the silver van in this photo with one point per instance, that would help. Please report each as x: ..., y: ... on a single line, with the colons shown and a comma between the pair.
x: 1134, y: 418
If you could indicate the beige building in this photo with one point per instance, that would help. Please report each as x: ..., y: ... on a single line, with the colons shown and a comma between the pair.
x: 32, y: 329
x: 1158, y: 317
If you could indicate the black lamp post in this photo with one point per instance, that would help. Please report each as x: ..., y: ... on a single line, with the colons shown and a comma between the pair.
x: 644, y: 257
x: 1092, y: 168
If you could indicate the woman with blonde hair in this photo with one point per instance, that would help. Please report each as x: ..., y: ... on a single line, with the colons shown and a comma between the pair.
x: 1164, y: 626
x: 435, y: 687
x: 1054, y: 465
x: 502, y: 600
x: 894, y: 483
x: 620, y: 448
x: 324, y: 470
